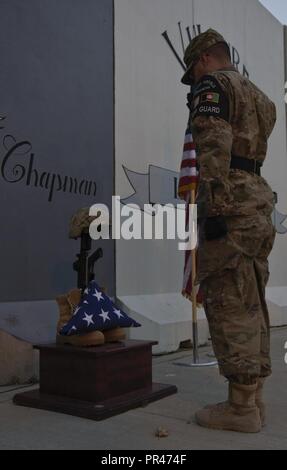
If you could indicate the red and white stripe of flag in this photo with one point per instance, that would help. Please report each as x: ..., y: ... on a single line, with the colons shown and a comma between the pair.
x: 188, y: 178
x: 188, y: 181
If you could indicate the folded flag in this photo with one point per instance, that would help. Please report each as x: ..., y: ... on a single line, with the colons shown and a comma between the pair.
x: 96, y: 312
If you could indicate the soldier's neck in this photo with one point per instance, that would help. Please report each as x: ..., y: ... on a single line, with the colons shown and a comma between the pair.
x: 229, y: 67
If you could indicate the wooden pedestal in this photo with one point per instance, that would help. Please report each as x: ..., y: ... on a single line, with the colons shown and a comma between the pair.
x: 95, y: 383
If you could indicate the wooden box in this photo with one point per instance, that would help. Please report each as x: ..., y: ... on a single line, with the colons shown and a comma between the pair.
x: 96, y: 382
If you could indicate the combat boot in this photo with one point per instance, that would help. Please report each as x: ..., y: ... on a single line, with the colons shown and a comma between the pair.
x: 258, y: 400
x: 64, y: 311
x: 95, y: 338
x: 114, y: 335
x: 239, y: 413
x: 67, y: 305
x: 74, y: 298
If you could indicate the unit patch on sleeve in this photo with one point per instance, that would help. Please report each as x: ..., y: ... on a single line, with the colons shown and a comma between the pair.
x: 210, y: 99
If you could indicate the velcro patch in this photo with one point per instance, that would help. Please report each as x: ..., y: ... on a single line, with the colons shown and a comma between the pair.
x: 209, y: 99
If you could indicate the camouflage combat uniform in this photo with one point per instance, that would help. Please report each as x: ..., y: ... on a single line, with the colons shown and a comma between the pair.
x: 231, y: 116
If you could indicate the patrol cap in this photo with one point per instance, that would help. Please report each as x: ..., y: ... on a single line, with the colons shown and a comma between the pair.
x: 198, y: 45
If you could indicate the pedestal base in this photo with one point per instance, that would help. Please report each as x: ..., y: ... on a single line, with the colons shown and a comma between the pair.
x: 94, y: 411
x: 95, y: 383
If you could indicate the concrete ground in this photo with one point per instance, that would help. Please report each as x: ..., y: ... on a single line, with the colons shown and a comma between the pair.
x: 23, y: 428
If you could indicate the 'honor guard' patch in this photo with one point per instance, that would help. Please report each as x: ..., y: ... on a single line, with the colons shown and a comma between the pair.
x: 209, y: 99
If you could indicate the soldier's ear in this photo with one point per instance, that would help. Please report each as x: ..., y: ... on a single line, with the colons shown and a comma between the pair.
x: 205, y: 58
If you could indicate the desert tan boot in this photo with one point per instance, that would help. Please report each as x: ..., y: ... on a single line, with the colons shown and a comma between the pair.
x: 114, y: 335
x: 95, y: 338
x: 67, y: 305
x: 64, y: 311
x: 74, y: 298
x: 239, y: 414
x: 258, y: 400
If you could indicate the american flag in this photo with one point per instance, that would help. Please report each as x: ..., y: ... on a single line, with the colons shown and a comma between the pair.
x: 188, y: 181
x: 96, y: 311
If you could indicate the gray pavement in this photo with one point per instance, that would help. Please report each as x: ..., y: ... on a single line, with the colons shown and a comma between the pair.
x: 23, y: 428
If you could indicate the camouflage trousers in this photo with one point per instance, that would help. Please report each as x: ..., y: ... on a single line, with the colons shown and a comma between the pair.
x: 236, y: 309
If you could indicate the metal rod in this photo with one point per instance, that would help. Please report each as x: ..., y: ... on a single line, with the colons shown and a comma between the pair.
x: 194, y: 295
x: 195, y: 342
x: 181, y: 37
x: 166, y: 37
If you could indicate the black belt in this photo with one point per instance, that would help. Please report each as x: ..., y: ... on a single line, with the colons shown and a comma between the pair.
x: 241, y: 163
x: 246, y: 164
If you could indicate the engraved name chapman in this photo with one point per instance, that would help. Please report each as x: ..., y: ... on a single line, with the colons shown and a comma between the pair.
x: 18, y: 166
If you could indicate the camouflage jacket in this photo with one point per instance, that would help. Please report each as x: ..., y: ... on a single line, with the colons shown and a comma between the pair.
x: 230, y: 115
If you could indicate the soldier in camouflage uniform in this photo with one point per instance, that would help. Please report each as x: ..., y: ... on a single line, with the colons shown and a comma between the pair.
x: 231, y: 121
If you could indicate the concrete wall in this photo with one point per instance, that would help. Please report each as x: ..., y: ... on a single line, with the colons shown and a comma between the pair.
x: 285, y: 56
x: 19, y: 363
x: 151, y: 115
x: 57, y: 94
x: 56, y: 147
x: 150, y: 121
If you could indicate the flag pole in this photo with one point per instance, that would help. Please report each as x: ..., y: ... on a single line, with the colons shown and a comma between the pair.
x: 196, y: 362
x: 194, y: 298
x: 190, y: 198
